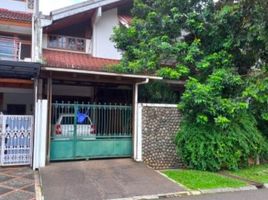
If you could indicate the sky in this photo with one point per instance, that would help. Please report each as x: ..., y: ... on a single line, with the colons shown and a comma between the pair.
x: 48, y: 5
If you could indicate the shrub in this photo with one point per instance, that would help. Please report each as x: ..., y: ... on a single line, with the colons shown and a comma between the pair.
x: 207, y: 147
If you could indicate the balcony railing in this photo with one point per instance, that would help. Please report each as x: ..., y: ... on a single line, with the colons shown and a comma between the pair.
x: 10, y: 48
x: 67, y: 43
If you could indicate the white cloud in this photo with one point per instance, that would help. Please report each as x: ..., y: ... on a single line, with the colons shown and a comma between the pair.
x: 48, y: 5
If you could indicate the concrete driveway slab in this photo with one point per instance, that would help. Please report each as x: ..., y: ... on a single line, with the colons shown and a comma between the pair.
x: 102, y: 179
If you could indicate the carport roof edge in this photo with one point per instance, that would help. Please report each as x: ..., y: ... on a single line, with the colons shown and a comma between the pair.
x: 134, y: 76
x: 79, y: 8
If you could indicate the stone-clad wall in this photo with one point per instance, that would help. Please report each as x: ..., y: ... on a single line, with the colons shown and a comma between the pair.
x: 160, y: 124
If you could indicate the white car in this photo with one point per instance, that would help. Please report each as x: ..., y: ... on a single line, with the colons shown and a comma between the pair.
x: 65, y: 127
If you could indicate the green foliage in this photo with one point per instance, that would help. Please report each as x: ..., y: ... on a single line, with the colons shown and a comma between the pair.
x: 208, y: 102
x: 157, y: 92
x: 257, y: 93
x: 206, y: 147
x: 221, y: 50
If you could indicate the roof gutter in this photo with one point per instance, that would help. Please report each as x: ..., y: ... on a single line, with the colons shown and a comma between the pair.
x: 137, y: 135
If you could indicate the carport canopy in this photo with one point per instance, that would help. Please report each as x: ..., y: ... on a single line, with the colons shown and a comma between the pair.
x: 95, y: 76
x: 19, y: 69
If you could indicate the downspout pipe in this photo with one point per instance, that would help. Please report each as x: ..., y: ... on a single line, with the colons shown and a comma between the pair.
x: 135, y: 125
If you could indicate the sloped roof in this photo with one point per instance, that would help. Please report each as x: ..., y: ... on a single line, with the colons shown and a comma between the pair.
x: 71, y: 60
x: 16, y: 16
x: 82, y: 7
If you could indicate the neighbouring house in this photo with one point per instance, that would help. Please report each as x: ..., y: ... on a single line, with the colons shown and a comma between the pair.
x: 17, y: 82
x: 59, y: 99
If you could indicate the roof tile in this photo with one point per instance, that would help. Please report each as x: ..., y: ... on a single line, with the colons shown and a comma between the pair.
x: 15, y: 16
x: 70, y: 60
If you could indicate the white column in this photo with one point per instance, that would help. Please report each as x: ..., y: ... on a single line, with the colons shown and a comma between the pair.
x: 40, y: 135
x: 139, y: 133
x: 135, y: 120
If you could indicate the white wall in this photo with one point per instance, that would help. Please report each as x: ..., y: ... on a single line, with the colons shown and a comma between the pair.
x: 14, y: 5
x: 103, y: 47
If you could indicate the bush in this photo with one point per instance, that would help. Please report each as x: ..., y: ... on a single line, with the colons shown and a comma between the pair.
x: 207, y: 147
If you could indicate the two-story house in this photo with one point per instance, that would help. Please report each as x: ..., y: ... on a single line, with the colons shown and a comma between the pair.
x: 79, y: 108
x: 17, y: 81
x: 91, y: 111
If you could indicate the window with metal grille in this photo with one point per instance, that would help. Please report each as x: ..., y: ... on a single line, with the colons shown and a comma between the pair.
x: 67, y: 43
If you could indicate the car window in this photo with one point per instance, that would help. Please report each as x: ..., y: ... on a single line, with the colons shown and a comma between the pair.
x: 67, y: 120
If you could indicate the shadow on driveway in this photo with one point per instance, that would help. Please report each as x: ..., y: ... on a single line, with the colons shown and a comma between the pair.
x: 102, y: 179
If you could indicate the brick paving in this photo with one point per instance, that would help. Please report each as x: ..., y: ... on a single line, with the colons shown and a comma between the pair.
x: 17, y: 183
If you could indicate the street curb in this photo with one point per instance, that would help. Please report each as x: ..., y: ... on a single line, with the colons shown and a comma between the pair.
x: 265, y: 185
x: 224, y: 190
x: 38, y: 186
x: 189, y: 193
x: 156, y: 196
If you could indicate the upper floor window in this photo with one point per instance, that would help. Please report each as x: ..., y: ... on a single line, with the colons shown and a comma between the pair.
x: 9, y: 48
x: 14, y: 49
x: 67, y: 43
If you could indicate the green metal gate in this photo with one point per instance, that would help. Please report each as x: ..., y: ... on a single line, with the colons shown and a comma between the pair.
x: 83, y: 131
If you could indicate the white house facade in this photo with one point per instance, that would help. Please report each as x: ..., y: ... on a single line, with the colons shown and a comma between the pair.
x: 58, y: 99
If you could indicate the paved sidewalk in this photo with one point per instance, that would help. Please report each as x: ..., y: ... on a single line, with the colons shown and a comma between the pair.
x: 17, y: 183
x: 102, y: 179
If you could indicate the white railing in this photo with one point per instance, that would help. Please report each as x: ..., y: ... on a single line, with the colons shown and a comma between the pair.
x: 16, y: 133
x: 10, y: 48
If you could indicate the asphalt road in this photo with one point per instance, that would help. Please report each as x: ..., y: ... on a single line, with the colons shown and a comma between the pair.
x: 261, y: 194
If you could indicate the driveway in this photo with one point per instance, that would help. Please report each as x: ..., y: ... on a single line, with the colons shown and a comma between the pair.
x: 102, y: 179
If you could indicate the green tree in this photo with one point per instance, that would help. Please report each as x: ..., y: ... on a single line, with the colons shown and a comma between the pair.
x: 221, y: 49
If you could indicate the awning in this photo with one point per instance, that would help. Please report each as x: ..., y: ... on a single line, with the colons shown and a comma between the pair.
x: 15, y: 69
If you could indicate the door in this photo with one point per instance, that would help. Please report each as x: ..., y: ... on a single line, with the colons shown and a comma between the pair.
x: 84, y: 131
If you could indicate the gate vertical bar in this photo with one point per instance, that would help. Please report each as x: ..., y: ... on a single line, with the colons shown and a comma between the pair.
x: 3, y: 139
x: 49, y: 115
x: 31, y: 140
x: 75, y: 130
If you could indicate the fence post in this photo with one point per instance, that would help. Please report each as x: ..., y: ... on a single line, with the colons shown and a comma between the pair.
x: 3, y: 139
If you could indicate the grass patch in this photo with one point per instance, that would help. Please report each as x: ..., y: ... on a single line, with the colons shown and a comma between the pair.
x: 195, y: 180
x: 256, y: 173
